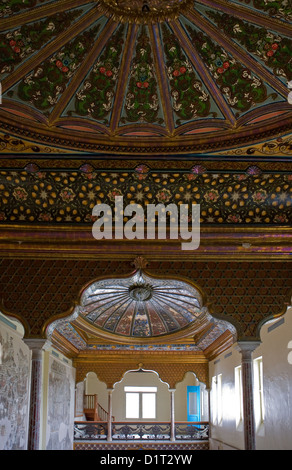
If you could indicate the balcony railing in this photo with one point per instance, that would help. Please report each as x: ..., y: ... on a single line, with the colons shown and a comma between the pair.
x: 133, y: 431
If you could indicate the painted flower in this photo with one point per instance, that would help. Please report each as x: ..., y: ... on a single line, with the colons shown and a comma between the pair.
x: 220, y: 70
x: 211, y: 196
x: 45, y: 217
x: 175, y: 73
x: 280, y: 219
x: 141, y: 172
x: 253, y: 170
x: 270, y: 53
x: 218, y: 62
x: 233, y: 219
x: 241, y: 177
x: 275, y: 46
x: 20, y: 194
x: 114, y: 193
x: 67, y: 195
x: 199, y: 169
x: 226, y: 65
x: 259, y: 196
x: 163, y: 195
x: 182, y: 69
x: 109, y: 73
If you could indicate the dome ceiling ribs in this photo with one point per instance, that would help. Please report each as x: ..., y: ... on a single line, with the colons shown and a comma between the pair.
x: 238, y: 53
x: 89, y: 18
x: 40, y: 12
x: 159, y: 309
x: 110, y: 304
x: 123, y: 78
x: 162, y: 78
x: 85, y: 108
x: 244, y: 13
x: 81, y: 73
x: 203, y: 72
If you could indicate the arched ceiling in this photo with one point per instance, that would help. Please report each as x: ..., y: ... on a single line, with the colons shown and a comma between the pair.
x: 141, y: 306
x: 179, y: 76
x: 141, y: 311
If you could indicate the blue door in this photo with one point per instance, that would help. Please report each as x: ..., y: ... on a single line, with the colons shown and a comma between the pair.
x: 193, y: 403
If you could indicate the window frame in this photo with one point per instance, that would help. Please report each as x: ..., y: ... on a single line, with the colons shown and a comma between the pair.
x: 141, y: 391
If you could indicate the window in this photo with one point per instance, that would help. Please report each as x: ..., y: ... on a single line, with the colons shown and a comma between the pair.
x: 238, y: 395
x: 214, y: 400
x: 219, y: 398
x: 258, y: 391
x: 217, y: 415
x: 140, y: 402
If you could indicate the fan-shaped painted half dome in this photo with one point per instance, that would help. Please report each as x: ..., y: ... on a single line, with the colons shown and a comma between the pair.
x: 178, y: 75
x: 141, y: 306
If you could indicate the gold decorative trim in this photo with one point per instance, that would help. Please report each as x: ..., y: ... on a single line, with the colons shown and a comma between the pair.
x: 143, y: 11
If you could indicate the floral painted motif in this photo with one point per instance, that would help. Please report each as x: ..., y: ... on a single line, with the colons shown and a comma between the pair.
x: 96, y: 97
x: 19, y: 44
x: 273, y: 49
x: 45, y: 84
x: 9, y: 7
x: 211, y: 196
x: 20, y: 194
x: 69, y: 197
x: 241, y: 88
x: 189, y: 98
x: 142, y: 99
x: 163, y: 195
x: 259, y: 196
x: 281, y: 9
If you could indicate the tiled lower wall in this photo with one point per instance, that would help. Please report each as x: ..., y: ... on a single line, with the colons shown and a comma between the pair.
x: 89, y: 445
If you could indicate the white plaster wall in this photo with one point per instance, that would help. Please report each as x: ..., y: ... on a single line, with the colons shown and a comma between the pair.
x: 94, y: 385
x: 148, y: 379
x: 276, y: 433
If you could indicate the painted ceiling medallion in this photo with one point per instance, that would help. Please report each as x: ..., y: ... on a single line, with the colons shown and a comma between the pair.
x: 141, y: 306
x: 144, y: 11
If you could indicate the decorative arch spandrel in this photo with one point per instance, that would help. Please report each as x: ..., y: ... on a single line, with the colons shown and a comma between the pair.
x: 111, y: 373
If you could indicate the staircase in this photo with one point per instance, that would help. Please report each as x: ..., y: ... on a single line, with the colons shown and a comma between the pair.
x: 93, y: 411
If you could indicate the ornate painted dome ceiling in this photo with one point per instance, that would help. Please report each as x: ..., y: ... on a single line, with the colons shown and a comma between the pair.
x: 108, y: 76
x: 141, y: 306
x: 140, y: 310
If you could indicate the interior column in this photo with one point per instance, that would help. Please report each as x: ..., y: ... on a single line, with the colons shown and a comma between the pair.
x: 110, y: 414
x: 34, y: 431
x: 246, y: 348
x: 172, y: 415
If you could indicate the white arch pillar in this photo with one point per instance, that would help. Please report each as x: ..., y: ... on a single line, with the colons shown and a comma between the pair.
x: 172, y: 415
x: 246, y: 349
x: 34, y: 432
